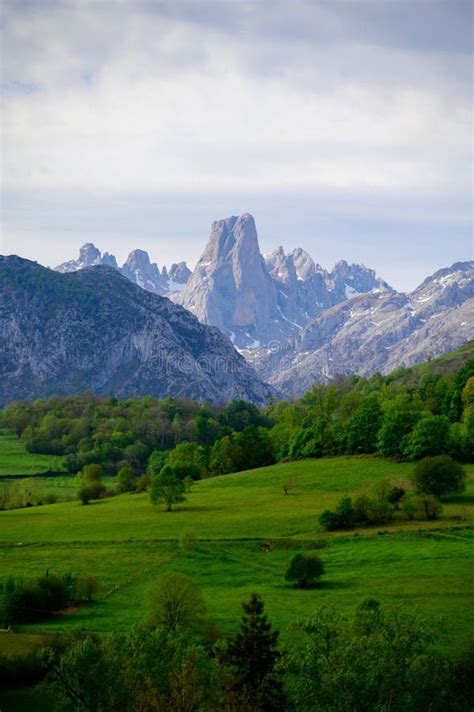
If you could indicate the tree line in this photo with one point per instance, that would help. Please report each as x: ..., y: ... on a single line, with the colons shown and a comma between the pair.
x: 381, y: 658
x: 387, y: 416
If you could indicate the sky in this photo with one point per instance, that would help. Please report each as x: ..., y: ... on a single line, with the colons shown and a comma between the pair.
x: 344, y: 127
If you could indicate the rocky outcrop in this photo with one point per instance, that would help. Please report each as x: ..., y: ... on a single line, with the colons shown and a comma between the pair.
x: 230, y: 286
x: 141, y: 271
x: 89, y: 256
x: 94, y: 329
x: 178, y: 274
x: 379, y: 331
x: 138, y: 269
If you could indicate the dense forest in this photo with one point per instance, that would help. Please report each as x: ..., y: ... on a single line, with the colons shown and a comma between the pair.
x: 407, y: 415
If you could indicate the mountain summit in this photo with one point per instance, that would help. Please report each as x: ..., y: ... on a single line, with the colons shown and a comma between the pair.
x: 230, y: 287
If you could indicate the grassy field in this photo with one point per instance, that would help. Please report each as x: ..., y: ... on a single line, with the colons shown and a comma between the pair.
x: 127, y: 542
x: 16, y: 462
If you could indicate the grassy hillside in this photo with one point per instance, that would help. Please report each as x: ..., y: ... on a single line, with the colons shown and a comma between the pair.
x: 15, y: 461
x: 127, y: 542
x: 450, y: 363
x: 240, y: 506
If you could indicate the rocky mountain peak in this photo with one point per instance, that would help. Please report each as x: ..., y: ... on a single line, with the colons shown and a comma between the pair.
x: 230, y: 286
x: 109, y: 260
x: 304, y: 264
x: 139, y: 259
x: 234, y: 237
x: 89, y: 256
x: 178, y: 273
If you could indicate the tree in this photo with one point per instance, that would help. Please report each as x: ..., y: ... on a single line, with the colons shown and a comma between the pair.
x: 92, y: 472
x: 175, y: 601
x: 380, y: 662
x: 363, y: 427
x: 255, y: 448
x: 156, y: 462
x: 429, y: 437
x: 88, y: 490
x: 87, y: 586
x: 188, y: 460
x: 90, y: 485
x: 125, y: 480
x: 304, y: 569
x: 143, y: 669
x: 400, y: 416
x: 253, y: 657
x: 167, y: 489
x: 439, y: 476
x: 289, y: 483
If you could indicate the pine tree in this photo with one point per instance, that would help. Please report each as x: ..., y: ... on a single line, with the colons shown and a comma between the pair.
x: 253, y: 656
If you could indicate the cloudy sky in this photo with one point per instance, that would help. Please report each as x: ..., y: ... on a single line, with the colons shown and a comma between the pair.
x: 343, y: 127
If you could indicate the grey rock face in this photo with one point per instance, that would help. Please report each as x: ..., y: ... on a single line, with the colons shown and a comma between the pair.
x: 379, y: 332
x: 230, y: 286
x: 141, y: 271
x: 178, y: 274
x: 94, y: 329
x: 259, y: 301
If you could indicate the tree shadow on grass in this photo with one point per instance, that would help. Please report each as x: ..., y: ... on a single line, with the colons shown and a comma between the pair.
x: 318, y: 586
x: 458, y: 499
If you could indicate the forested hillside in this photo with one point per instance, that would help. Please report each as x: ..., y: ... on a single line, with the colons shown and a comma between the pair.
x: 407, y: 415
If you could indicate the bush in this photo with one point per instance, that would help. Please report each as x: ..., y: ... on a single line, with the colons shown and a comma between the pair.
x: 90, y: 490
x: 342, y: 518
x: 439, y: 476
x: 28, y: 602
x: 304, y: 569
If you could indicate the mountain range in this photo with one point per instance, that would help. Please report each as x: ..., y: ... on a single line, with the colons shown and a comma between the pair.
x: 255, y: 299
x: 93, y: 329
x: 294, y: 322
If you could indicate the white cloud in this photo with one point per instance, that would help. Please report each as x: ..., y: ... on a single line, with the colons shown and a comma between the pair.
x: 132, y: 101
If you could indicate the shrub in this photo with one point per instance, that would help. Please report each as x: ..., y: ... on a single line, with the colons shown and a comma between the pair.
x: 304, y: 569
x: 342, y: 518
x: 395, y: 495
x: 432, y: 507
x: 90, y: 490
x: 439, y: 476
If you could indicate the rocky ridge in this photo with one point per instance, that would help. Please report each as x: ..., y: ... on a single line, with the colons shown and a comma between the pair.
x: 137, y: 268
x: 378, y: 332
x: 94, y: 329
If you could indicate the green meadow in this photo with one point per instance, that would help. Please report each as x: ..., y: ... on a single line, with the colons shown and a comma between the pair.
x: 16, y: 462
x: 128, y: 542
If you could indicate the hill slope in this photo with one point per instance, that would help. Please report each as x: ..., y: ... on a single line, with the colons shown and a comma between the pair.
x: 381, y: 332
x: 94, y: 329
